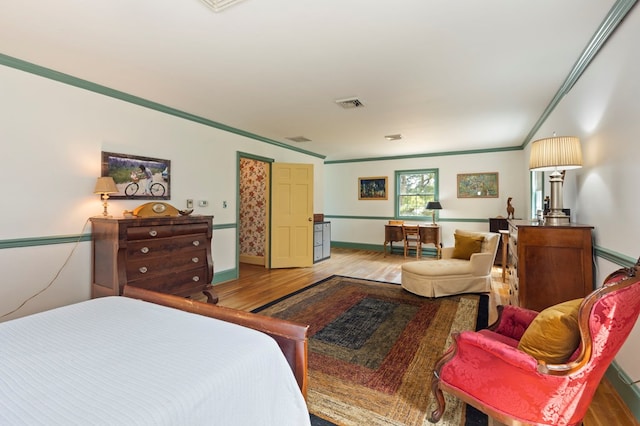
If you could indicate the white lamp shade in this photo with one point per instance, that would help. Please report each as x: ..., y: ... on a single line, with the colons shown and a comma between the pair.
x: 105, y: 185
x: 556, y: 153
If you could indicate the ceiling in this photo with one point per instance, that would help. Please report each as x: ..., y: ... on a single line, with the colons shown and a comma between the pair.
x: 446, y: 75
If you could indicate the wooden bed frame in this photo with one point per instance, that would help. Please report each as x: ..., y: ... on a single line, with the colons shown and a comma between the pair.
x: 290, y: 336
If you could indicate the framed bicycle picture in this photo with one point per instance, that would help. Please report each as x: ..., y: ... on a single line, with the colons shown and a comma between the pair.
x: 136, y: 177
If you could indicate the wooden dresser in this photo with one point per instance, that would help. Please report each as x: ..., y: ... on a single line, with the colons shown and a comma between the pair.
x: 549, y: 264
x: 165, y: 254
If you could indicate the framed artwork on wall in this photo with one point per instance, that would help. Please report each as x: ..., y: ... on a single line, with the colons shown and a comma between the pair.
x: 478, y: 185
x: 372, y: 188
x: 136, y: 177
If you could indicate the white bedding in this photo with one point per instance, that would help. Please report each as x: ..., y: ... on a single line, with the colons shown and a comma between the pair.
x: 120, y: 361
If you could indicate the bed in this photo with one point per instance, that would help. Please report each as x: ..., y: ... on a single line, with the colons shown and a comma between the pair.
x: 135, y: 360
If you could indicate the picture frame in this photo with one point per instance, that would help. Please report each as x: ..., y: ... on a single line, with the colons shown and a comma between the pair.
x: 478, y: 185
x: 131, y: 175
x: 373, y: 188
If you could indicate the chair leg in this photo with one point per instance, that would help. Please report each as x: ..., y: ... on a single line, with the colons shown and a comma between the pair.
x: 436, y: 414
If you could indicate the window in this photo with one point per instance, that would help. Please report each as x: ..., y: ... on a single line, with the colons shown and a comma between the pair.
x: 414, y: 189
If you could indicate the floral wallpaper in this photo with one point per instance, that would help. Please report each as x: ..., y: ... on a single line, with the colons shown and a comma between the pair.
x: 253, y: 190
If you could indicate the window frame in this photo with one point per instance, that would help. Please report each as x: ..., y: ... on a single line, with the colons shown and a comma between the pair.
x: 397, y: 195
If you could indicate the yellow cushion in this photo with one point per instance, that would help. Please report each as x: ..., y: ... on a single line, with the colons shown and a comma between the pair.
x: 466, y: 245
x: 553, y: 336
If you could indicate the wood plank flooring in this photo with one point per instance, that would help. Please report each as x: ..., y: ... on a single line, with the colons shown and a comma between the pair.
x: 258, y: 286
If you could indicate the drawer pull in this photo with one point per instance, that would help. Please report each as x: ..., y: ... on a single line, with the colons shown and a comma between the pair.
x: 144, y: 250
x: 195, y: 260
x: 196, y: 243
x: 143, y: 270
x: 153, y: 232
x: 196, y: 278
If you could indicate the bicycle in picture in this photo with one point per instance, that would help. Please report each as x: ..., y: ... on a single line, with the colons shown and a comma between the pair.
x: 155, y: 189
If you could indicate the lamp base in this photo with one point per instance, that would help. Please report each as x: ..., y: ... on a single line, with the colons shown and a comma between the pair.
x: 555, y: 218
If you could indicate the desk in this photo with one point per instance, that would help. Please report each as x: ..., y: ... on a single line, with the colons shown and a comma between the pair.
x: 429, y: 234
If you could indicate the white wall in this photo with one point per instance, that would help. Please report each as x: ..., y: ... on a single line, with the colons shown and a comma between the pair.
x: 52, y: 136
x: 603, y: 109
x: 342, y: 194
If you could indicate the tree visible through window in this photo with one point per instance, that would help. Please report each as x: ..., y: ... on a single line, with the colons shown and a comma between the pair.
x: 414, y: 189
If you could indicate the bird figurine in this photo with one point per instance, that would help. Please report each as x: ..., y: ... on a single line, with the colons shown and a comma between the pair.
x: 510, y: 209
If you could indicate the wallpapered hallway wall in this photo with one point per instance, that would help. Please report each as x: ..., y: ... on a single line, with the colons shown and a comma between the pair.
x: 253, y: 208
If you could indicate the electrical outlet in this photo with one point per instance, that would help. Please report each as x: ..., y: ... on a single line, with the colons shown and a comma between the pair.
x: 203, y: 203
x: 189, y: 203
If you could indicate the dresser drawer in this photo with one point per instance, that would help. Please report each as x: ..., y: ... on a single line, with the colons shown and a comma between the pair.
x: 157, y: 265
x: 161, y: 231
x: 165, y: 246
x: 182, y: 283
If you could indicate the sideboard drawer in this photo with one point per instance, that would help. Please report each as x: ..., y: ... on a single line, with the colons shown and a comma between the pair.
x: 161, y: 231
x: 165, y: 246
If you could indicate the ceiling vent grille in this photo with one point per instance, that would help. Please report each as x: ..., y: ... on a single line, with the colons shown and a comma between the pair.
x: 299, y: 139
x: 219, y: 5
x: 350, y: 103
x: 395, y: 137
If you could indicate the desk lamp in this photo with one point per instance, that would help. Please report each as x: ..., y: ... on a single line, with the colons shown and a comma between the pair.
x: 105, y: 185
x: 433, y: 206
x: 555, y: 154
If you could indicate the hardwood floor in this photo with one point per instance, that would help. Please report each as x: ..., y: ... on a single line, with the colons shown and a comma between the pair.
x: 258, y: 286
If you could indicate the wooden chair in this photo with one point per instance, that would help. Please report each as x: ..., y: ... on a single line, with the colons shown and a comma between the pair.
x: 411, y: 236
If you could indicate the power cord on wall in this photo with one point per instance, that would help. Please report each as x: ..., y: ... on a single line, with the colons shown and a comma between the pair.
x: 55, y: 277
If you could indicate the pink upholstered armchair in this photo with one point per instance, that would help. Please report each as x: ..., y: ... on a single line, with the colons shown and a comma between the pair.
x: 487, y: 370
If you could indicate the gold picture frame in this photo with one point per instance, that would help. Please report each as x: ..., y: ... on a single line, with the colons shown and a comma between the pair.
x: 373, y: 188
x: 478, y: 185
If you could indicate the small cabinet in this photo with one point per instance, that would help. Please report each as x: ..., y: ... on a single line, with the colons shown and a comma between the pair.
x: 549, y: 264
x: 321, y: 241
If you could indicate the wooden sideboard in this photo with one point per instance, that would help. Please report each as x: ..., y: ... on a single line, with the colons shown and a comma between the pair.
x: 549, y: 264
x: 429, y: 234
x: 165, y: 254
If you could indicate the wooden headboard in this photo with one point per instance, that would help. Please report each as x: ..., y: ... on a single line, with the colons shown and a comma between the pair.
x: 290, y: 336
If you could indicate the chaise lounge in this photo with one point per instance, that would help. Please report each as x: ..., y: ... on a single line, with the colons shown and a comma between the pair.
x: 464, y: 268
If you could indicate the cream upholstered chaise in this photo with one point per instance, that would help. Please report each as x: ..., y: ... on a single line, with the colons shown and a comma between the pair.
x: 465, y: 268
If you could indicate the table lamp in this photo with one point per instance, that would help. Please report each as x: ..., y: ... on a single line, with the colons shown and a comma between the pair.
x: 555, y: 154
x: 105, y: 185
x: 433, y: 206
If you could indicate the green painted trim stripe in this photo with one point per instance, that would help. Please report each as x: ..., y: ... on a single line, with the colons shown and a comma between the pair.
x: 116, y: 94
x: 228, y: 275
x: 68, y: 239
x: 44, y: 241
x: 224, y: 226
x: 433, y: 154
x: 615, y: 15
x: 416, y: 219
x: 630, y: 393
x: 614, y: 257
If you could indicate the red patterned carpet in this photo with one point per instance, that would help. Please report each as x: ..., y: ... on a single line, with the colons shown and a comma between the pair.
x: 372, y: 348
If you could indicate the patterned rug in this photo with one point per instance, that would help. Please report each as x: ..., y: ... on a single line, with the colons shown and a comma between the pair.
x: 372, y: 348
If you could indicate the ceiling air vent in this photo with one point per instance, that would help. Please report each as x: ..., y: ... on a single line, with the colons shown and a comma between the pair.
x: 299, y: 139
x: 395, y: 137
x: 350, y: 103
x: 218, y: 5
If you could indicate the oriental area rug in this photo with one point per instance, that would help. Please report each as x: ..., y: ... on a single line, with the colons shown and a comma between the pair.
x: 372, y: 349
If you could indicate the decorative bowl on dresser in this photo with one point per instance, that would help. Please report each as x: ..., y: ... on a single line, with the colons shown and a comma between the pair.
x: 165, y: 254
